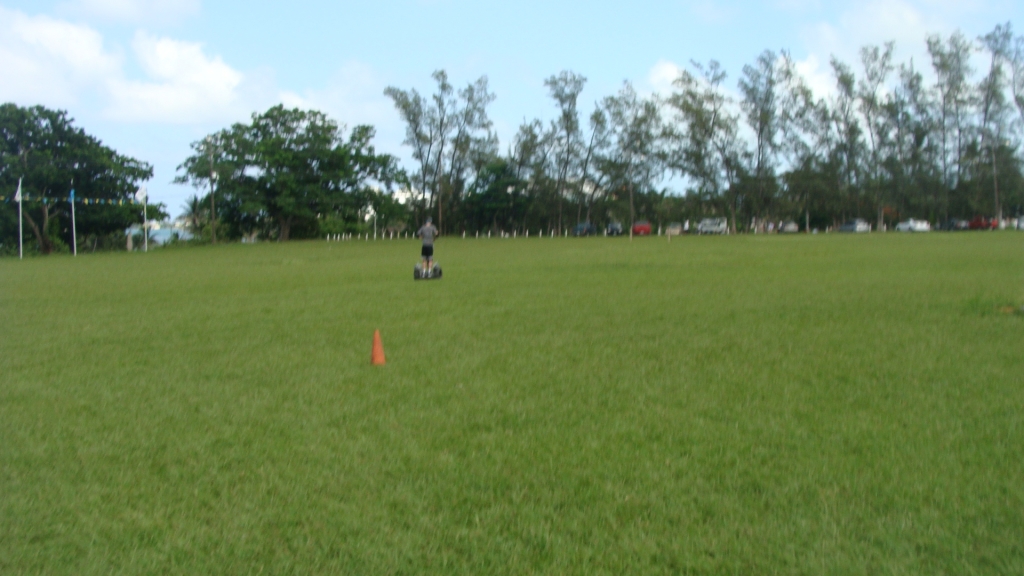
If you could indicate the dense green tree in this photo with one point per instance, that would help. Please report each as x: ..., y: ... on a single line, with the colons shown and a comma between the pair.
x: 287, y: 169
x: 51, y: 155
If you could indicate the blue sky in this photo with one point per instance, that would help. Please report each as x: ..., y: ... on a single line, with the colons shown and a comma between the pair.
x: 150, y: 76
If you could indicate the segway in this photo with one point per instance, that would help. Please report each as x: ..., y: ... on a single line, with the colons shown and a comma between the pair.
x: 434, y: 273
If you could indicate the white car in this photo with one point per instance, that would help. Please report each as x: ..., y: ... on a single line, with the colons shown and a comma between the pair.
x: 713, y: 226
x: 857, y: 226
x: 914, y: 226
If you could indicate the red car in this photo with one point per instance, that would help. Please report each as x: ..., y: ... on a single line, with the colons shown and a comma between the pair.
x: 642, y: 228
x: 982, y: 223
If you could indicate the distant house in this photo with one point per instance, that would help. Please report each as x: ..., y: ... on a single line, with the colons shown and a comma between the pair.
x: 160, y: 233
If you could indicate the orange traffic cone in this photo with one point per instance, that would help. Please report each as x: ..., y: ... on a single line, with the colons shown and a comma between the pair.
x: 377, y: 357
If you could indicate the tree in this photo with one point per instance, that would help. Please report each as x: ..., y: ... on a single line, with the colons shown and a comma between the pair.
x: 592, y: 181
x: 877, y: 63
x: 566, y: 134
x: 807, y: 141
x: 530, y: 157
x: 287, y: 169
x: 912, y: 162
x: 703, y: 138
x: 51, y: 155
x: 635, y: 128
x: 450, y: 135
x: 195, y: 214
x: 849, y: 143
x: 993, y: 105
x: 496, y: 199
x: 760, y: 86
x: 951, y: 63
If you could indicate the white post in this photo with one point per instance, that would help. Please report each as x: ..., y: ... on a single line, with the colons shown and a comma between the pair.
x: 74, y: 234
x: 21, y: 235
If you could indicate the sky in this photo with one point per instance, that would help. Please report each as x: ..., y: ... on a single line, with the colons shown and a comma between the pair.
x: 149, y: 77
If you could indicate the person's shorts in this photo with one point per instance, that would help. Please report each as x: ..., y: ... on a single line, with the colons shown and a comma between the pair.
x: 428, y: 251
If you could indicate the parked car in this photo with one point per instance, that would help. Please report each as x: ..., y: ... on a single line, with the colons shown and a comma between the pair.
x: 789, y: 227
x: 674, y: 229
x: 1020, y: 222
x: 713, y: 226
x: 584, y: 229
x: 982, y: 223
x: 857, y: 225
x: 953, y: 225
x: 642, y: 228
x: 914, y: 226
x: 613, y: 229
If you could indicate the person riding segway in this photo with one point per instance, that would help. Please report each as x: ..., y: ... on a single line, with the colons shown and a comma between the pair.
x: 427, y: 268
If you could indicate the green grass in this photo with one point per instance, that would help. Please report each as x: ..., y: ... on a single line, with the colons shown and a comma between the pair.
x: 740, y: 405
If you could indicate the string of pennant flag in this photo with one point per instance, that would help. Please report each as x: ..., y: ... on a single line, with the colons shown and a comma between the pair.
x: 84, y: 201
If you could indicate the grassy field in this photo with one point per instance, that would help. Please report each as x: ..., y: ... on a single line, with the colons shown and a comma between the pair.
x: 739, y: 405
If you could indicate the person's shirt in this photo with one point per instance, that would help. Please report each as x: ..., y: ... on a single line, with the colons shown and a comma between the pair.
x: 428, y: 232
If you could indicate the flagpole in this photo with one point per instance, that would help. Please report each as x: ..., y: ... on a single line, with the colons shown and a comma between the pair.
x: 74, y: 232
x: 21, y: 235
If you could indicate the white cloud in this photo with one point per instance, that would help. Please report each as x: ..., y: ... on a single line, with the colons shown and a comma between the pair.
x: 133, y: 11
x: 354, y: 95
x: 906, y: 22
x: 712, y: 12
x: 43, y: 60
x: 876, y: 22
x: 662, y: 75
x: 59, y: 64
x: 797, y: 5
x: 817, y: 74
x: 184, y: 85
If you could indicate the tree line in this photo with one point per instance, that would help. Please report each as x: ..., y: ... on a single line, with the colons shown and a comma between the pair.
x: 890, y: 141
x: 885, y: 145
x: 50, y: 156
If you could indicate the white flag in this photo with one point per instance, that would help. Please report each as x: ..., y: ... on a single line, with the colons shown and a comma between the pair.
x: 17, y: 195
x: 141, y: 195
